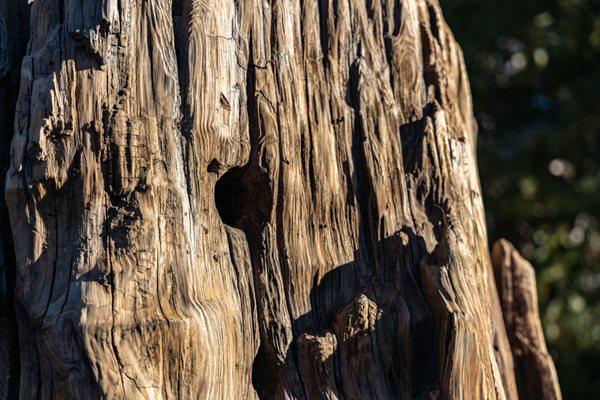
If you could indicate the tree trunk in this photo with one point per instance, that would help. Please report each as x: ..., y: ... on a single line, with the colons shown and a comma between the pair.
x: 219, y: 199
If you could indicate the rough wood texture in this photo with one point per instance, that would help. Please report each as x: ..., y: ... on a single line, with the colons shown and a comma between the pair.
x: 250, y: 199
x: 515, y: 278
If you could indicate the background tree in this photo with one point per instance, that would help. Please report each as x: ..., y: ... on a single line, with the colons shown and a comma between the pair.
x: 534, y: 70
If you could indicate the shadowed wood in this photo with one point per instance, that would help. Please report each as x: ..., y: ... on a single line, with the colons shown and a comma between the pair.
x: 250, y: 199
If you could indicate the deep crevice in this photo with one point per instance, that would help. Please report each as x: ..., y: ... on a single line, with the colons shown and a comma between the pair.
x: 242, y: 198
x: 365, y: 191
x: 263, y: 375
x: 16, y: 16
x: 228, y: 197
x: 324, y: 31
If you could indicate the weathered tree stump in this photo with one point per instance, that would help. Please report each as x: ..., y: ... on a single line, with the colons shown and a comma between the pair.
x: 249, y: 199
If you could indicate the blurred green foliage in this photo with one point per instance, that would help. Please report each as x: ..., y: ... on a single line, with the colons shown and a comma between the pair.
x: 534, y: 68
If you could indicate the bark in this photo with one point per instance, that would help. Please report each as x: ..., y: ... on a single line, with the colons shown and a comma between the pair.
x: 250, y: 199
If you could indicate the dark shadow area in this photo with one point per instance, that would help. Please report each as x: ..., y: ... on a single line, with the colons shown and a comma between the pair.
x: 15, y: 17
x: 241, y: 197
x: 228, y: 197
x: 407, y: 363
x: 265, y: 377
x: 9, y: 342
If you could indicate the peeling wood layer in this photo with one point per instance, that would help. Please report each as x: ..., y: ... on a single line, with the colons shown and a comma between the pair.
x: 534, y: 368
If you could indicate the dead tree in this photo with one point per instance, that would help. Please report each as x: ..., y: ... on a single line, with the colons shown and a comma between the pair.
x: 274, y: 199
